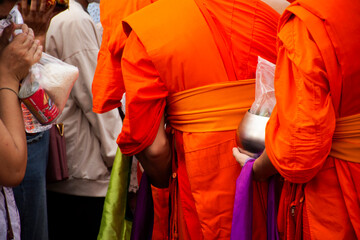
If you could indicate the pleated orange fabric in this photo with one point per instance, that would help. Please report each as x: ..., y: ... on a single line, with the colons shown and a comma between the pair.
x: 161, y: 213
x: 316, y: 87
x: 211, y: 108
x: 170, y: 49
x: 346, y: 139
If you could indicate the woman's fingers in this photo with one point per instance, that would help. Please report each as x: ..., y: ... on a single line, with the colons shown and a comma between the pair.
x: 24, y: 28
x: 38, y: 53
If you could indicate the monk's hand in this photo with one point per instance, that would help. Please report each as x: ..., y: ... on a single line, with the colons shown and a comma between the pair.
x: 242, y: 156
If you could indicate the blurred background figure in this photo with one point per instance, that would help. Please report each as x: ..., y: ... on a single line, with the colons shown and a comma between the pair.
x: 90, y: 138
x: 30, y: 195
x: 94, y: 10
x: 16, y: 58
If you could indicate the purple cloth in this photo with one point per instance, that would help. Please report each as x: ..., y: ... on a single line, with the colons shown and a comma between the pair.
x: 142, y: 226
x: 272, y: 233
x: 241, y: 227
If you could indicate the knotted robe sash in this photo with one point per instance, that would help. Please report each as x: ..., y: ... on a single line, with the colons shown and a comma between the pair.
x: 346, y: 139
x: 211, y: 108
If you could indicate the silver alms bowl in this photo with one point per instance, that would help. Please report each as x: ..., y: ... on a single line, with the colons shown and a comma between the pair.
x: 251, y: 132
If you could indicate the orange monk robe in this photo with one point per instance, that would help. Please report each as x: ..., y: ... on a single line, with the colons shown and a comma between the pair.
x: 108, y: 86
x: 299, y: 137
x: 208, y: 175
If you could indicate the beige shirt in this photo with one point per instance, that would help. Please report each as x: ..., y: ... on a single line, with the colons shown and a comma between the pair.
x: 90, y: 137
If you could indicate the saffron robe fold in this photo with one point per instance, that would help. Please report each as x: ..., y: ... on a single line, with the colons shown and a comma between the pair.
x: 160, y: 58
x: 316, y: 82
x: 108, y: 87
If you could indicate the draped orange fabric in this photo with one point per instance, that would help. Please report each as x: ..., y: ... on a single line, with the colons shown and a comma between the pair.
x: 316, y: 88
x: 108, y: 86
x: 171, y: 49
x: 161, y: 213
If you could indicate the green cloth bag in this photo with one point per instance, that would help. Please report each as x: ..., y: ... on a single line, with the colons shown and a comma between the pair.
x: 114, y: 226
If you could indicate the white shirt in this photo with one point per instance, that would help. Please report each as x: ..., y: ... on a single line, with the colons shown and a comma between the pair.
x: 90, y: 138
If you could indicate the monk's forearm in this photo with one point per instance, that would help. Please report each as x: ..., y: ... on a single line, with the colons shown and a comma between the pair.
x: 156, y: 159
x: 263, y: 168
x: 157, y: 167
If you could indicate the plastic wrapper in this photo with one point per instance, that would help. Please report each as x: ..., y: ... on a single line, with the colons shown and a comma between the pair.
x: 56, y: 78
x: 60, y: 79
x: 264, y: 89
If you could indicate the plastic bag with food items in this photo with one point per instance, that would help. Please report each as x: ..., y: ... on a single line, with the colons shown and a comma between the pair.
x: 264, y: 89
x: 46, y: 88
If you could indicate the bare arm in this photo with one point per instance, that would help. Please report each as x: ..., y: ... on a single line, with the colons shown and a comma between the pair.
x: 156, y: 159
x: 15, y: 60
x: 262, y: 167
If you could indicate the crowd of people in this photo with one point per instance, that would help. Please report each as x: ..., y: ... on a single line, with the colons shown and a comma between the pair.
x: 168, y: 82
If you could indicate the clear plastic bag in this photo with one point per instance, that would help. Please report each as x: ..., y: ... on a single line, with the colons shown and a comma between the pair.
x: 56, y: 78
x: 264, y: 90
x: 60, y: 78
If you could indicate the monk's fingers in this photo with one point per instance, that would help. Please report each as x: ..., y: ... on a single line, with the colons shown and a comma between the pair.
x: 250, y: 154
x: 240, y: 157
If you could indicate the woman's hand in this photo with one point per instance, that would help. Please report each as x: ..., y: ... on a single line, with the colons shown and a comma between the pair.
x: 38, y: 16
x: 242, y: 156
x: 19, y: 55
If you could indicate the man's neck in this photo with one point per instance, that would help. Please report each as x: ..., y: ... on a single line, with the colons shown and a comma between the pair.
x: 83, y: 3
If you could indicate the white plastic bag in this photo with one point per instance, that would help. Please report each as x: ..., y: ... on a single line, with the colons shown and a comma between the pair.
x: 264, y: 90
x: 55, y: 77
x: 59, y: 80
